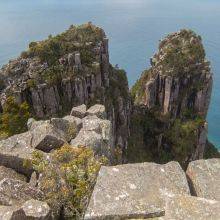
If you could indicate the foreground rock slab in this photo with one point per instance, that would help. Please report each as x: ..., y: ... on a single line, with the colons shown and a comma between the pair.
x: 193, y: 208
x: 204, y: 176
x: 135, y: 190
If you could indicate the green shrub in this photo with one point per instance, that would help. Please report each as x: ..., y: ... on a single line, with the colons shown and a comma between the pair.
x: 74, y: 39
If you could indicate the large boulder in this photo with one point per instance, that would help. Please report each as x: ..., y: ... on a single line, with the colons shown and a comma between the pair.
x: 189, y: 207
x: 14, y: 192
x: 15, y: 150
x: 79, y: 111
x: 96, y: 133
x: 204, y: 177
x: 32, y: 123
x: 69, y: 125
x: 31, y: 209
x: 92, y: 140
x: 100, y: 126
x: 135, y: 190
x: 10, y: 173
x: 46, y: 137
x: 98, y: 110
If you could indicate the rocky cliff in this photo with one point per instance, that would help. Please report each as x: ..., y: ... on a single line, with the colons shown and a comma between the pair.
x: 172, y: 98
x: 68, y: 70
x: 49, y: 165
x: 180, y: 78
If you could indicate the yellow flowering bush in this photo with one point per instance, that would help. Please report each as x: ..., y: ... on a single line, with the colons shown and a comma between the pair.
x: 67, y: 178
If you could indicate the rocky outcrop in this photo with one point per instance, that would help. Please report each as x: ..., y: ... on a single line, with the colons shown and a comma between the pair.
x: 17, y: 152
x: 180, y: 76
x: 176, y: 89
x: 44, y: 136
x: 96, y: 132
x: 52, y: 84
x: 148, y: 190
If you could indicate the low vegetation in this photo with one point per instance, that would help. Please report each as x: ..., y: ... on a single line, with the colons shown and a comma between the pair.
x: 76, y: 38
x: 67, y: 178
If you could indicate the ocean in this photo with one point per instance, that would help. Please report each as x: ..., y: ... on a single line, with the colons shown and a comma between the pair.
x: 134, y: 28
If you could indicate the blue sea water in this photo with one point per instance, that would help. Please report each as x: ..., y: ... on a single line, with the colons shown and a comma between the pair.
x: 133, y: 26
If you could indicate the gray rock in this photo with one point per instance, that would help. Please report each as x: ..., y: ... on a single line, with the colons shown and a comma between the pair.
x: 193, y: 208
x: 78, y: 60
x: 14, y: 192
x: 204, y: 176
x: 15, y: 150
x: 201, y: 142
x: 96, y: 133
x: 72, y: 119
x: 6, y: 212
x: 10, y: 173
x: 71, y: 60
x: 33, y: 179
x: 79, y: 111
x: 100, y: 126
x: 32, y: 123
x: 135, y: 190
x: 150, y: 91
x: 69, y: 125
x: 32, y: 209
x: 90, y: 139
x: 98, y: 110
x: 46, y: 137
x: 167, y: 96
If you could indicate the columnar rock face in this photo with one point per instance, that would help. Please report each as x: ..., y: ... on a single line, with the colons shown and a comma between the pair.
x: 79, y: 74
x: 177, y: 88
x: 153, y: 191
x: 180, y: 76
